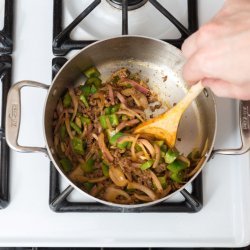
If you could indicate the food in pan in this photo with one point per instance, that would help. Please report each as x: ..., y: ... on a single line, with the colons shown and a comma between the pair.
x: 94, y: 140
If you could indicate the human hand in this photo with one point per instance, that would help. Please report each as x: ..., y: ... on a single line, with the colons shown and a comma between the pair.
x: 219, y: 52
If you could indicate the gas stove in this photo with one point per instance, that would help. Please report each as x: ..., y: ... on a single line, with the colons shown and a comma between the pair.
x: 43, y: 210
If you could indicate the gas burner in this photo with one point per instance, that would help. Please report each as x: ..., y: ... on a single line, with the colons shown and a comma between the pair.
x: 132, y: 4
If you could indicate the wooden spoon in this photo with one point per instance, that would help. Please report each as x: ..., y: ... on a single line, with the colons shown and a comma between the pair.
x: 165, y: 126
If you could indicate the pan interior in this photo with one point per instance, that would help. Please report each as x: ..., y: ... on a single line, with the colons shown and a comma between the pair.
x: 158, y: 63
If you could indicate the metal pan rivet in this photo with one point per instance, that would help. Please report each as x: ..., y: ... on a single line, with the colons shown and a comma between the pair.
x: 205, y: 92
x: 54, y: 92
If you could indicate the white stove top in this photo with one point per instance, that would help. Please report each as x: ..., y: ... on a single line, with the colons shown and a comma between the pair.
x: 224, y: 221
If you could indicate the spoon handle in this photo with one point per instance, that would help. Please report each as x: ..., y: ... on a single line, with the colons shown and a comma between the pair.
x: 192, y: 93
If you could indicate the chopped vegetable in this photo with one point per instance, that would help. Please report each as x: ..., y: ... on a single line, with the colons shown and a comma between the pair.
x: 88, y: 166
x: 97, y: 82
x: 159, y: 143
x: 163, y: 181
x: 146, y: 164
x: 103, y: 121
x: 177, y: 176
x: 63, y: 132
x: 76, y: 128
x: 115, y: 108
x: 88, y: 185
x: 85, y: 120
x: 84, y: 100
x: 93, y: 89
x: 66, y: 165
x: 92, y: 72
x: 114, y: 138
x: 105, y: 169
x: 67, y: 100
x: 113, y: 120
x: 77, y: 145
x: 176, y: 166
x: 86, y: 90
x: 170, y: 156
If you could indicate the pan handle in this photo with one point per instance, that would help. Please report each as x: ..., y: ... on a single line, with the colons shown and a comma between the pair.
x: 13, y: 116
x: 244, y: 120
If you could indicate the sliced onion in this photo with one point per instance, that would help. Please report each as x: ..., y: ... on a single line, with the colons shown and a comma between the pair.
x: 126, y: 138
x: 124, y: 124
x: 104, y: 148
x: 117, y: 176
x: 137, y: 86
x: 157, y: 155
x: 142, y: 197
x: 98, y: 179
x: 166, y: 191
x: 148, y: 145
x: 121, y: 98
x: 111, y: 194
x: 132, y: 112
x: 75, y: 102
x: 139, y: 98
x: 96, y: 189
x: 198, y: 166
x: 184, y: 159
x: 59, y: 107
x: 59, y: 123
x: 134, y: 157
x: 125, y: 112
x: 144, y: 150
x: 111, y: 95
x: 67, y: 124
x: 156, y: 181
x: 144, y: 189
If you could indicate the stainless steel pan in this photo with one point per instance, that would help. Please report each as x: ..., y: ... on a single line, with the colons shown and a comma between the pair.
x: 156, y: 60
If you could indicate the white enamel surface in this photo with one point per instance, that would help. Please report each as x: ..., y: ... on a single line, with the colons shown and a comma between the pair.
x: 224, y: 220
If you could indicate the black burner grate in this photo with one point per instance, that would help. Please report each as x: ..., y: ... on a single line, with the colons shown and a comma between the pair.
x: 6, y: 40
x: 5, y: 76
x: 62, y: 43
x: 59, y: 203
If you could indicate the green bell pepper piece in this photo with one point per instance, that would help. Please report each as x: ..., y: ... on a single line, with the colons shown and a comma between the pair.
x: 170, y: 156
x: 88, y: 185
x: 159, y: 143
x: 163, y: 181
x: 177, y: 177
x: 84, y: 100
x: 66, y: 165
x: 176, y: 166
x: 107, y: 110
x: 85, y: 120
x: 93, y: 89
x: 147, y: 164
x: 76, y: 128
x: 97, y: 82
x: 63, y: 132
x: 113, y: 139
x: 88, y: 166
x: 113, y: 120
x: 67, y: 100
x: 115, y: 108
x: 86, y: 90
x: 105, y: 169
x: 164, y: 148
x: 77, y: 145
x: 92, y: 72
x: 103, y: 121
